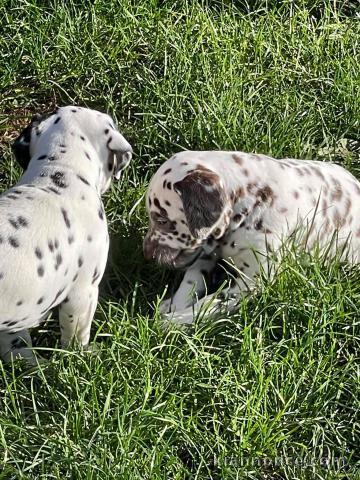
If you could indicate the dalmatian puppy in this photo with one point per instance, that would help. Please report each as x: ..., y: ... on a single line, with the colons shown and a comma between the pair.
x: 53, y: 232
x: 206, y: 206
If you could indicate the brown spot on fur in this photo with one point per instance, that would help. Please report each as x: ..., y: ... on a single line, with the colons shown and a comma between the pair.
x: 338, y: 221
x: 245, y: 172
x: 238, y: 159
x: 240, y: 193
x: 317, y: 172
x: 296, y: 194
x: 251, y: 187
x: 258, y: 225
x: 283, y: 210
x: 324, y: 207
x: 266, y: 193
x: 347, y: 207
x: 336, y: 193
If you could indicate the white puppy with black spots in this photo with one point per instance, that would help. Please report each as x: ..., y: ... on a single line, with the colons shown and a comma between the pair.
x: 53, y: 232
x: 206, y: 206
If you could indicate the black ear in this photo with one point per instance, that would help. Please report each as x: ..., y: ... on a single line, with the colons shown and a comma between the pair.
x: 203, y: 200
x: 21, y: 146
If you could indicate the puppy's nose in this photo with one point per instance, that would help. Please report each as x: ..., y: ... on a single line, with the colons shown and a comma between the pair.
x: 149, y: 249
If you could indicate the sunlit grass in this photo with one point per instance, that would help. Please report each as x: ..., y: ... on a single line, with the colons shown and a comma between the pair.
x: 273, y: 391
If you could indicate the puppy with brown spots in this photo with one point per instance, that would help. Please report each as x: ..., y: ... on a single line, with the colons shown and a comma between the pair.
x: 206, y: 206
x: 53, y: 232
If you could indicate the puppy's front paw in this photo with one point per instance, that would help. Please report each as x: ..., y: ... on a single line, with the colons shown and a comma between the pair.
x: 165, y: 306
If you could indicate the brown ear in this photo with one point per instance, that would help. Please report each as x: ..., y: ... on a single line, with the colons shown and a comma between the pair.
x: 203, y: 200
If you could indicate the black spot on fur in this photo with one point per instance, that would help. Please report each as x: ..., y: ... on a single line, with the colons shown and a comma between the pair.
x: 96, y: 275
x: 87, y: 156
x: 82, y: 138
x: 83, y: 179
x: 80, y: 261
x: 57, y: 120
x: 39, y: 302
x: 53, y: 190
x: 58, y: 261
x: 42, y: 157
x: 167, y: 171
x: 22, y: 221
x: 66, y: 217
x: 106, y: 131
x: 13, y: 242
x: 19, y: 302
x: 74, y: 110
x: 89, y: 238
x: 40, y: 271
x: 13, y: 223
x: 66, y: 300
x: 1, y: 275
x: 75, y: 277
x: 51, y: 245
x: 101, y: 214
x: 52, y: 158
x: 58, y: 178
x: 38, y: 253
x: 70, y: 239
x: 56, y: 243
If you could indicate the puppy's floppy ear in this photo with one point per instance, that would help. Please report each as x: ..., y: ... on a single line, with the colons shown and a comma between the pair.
x: 120, y: 152
x: 203, y: 200
x: 21, y: 146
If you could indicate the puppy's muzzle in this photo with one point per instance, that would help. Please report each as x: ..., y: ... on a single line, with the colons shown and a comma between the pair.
x: 162, y: 254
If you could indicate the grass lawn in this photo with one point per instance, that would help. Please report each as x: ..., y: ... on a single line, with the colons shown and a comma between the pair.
x: 273, y: 391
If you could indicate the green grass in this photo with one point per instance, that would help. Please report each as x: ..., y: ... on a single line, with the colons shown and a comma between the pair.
x: 271, y: 392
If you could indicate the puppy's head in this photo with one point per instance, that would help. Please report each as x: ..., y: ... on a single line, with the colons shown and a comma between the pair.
x: 188, y: 208
x: 91, y: 135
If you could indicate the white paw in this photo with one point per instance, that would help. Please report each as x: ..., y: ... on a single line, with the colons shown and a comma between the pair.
x: 165, y: 306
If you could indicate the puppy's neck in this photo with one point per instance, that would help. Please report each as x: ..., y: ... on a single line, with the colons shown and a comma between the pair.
x: 68, y: 153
